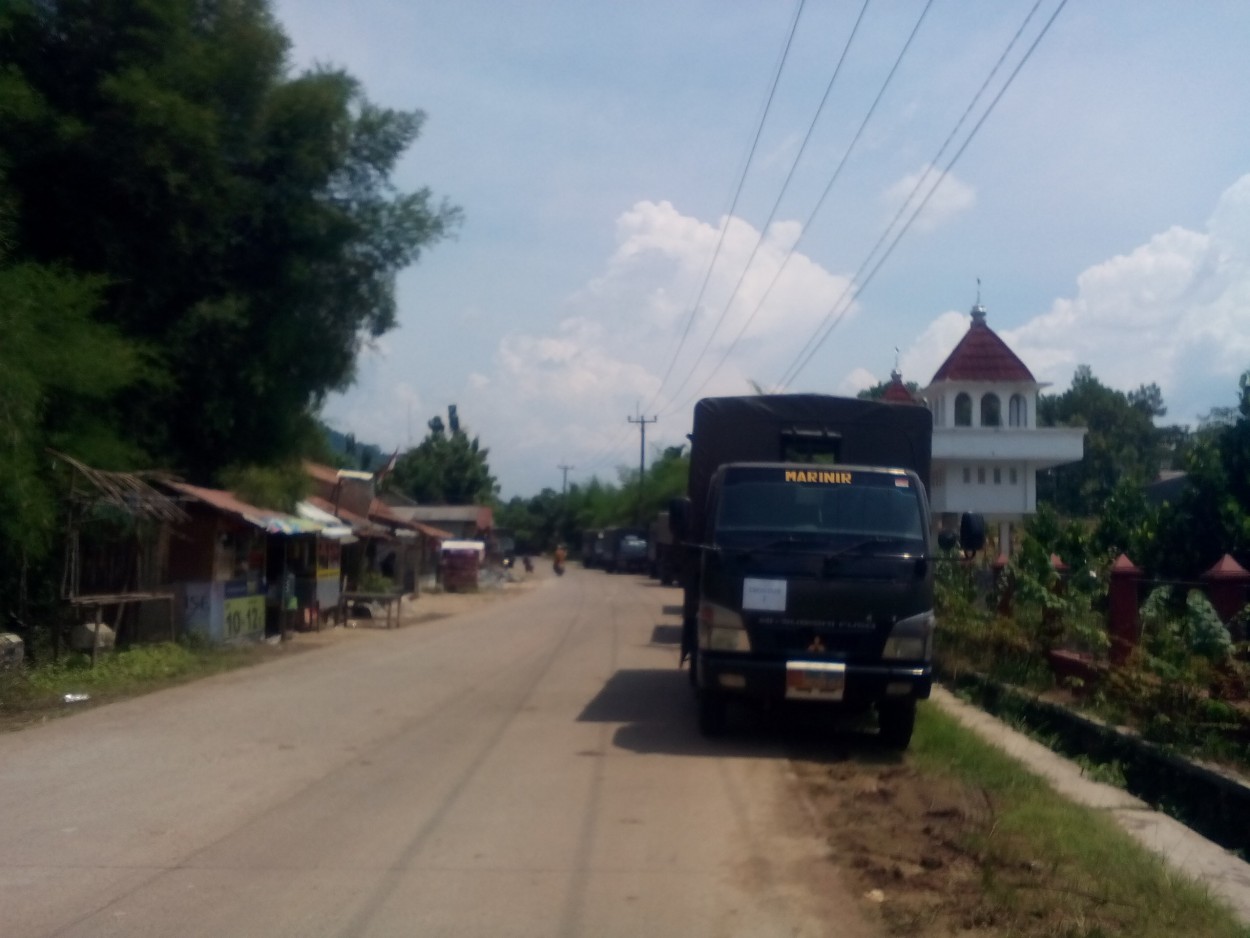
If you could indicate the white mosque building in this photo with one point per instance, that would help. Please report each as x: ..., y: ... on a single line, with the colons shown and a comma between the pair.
x: 987, y: 446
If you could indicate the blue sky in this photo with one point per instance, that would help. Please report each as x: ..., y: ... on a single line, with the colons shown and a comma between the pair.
x: 596, y: 148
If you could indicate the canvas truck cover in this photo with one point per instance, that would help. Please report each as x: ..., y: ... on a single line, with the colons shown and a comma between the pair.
x: 794, y: 427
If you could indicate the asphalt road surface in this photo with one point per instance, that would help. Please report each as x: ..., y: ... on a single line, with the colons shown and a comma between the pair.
x: 529, y: 768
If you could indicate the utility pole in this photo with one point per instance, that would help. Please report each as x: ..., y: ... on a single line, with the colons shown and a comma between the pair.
x: 564, y: 486
x: 642, y: 457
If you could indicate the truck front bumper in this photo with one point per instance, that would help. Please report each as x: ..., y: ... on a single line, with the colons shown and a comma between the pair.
x: 852, y: 683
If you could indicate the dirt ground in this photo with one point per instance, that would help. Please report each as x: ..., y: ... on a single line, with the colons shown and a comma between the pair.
x: 905, y: 842
x: 430, y: 604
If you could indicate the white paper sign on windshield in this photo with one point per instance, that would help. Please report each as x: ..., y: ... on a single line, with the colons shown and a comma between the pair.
x: 763, y: 595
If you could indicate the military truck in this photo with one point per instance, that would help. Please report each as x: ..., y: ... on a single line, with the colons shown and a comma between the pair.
x: 808, y: 556
x: 624, y: 550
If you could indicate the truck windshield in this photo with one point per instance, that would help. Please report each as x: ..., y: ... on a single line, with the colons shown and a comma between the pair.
x: 822, y: 504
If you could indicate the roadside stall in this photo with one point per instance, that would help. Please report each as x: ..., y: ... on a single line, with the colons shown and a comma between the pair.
x: 319, y: 595
x: 460, y: 564
x: 233, y: 565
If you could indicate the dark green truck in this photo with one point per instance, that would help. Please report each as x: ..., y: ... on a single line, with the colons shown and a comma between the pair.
x: 808, y: 556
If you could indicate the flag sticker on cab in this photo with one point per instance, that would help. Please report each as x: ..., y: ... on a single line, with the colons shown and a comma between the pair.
x: 763, y: 595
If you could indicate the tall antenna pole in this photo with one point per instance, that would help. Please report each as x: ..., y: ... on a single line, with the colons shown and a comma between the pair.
x: 642, y: 457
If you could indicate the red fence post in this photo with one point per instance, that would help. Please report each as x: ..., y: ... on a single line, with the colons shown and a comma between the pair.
x: 1052, y: 626
x: 1226, y: 587
x: 1124, y: 619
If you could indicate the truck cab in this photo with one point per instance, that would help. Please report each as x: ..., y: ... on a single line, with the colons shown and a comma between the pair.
x: 809, y: 579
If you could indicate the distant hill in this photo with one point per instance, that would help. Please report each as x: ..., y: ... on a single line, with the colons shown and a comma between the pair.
x: 350, y: 454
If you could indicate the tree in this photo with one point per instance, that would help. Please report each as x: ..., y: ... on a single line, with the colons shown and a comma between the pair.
x: 243, y: 221
x: 1122, y: 441
x: 1211, y: 517
x: 60, y: 374
x: 447, y: 468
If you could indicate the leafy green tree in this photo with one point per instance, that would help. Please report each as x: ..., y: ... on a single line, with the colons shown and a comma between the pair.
x: 449, y: 467
x: 278, y: 487
x: 1126, y: 524
x: 60, y: 374
x: 242, y: 220
x: 1211, y: 517
x: 1122, y: 441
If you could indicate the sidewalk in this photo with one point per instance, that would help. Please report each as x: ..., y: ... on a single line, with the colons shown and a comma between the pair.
x: 1225, y: 875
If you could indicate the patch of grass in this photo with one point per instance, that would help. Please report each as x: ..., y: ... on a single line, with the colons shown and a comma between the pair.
x: 42, y: 691
x: 1053, y: 868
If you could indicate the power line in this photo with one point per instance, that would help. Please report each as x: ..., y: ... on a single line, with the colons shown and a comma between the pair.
x: 804, y: 359
x: 606, y: 452
x: 759, y: 129
x: 787, y: 376
x: 821, y: 201
x: 794, y: 165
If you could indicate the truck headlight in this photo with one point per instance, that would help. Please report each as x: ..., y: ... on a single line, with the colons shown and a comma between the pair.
x: 911, y: 639
x: 722, y: 629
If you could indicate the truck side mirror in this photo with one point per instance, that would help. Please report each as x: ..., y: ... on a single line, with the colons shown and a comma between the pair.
x: 679, y: 517
x: 972, y: 531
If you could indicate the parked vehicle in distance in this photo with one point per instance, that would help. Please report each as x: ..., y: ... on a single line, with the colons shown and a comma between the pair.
x: 808, y: 562
x: 619, y: 556
x: 631, y: 555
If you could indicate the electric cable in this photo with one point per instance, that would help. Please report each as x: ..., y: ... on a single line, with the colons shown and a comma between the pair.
x: 833, y: 321
x: 823, y: 196
x: 786, y: 377
x: 794, y: 165
x: 759, y: 129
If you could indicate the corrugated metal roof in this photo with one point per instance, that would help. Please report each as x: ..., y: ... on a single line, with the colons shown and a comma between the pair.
x: 361, y: 525
x: 480, y: 515
x: 274, y: 522
x: 982, y: 356
x: 379, y: 510
x: 331, y: 526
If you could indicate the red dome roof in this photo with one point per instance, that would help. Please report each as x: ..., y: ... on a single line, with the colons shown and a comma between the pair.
x: 982, y: 356
x: 896, y: 392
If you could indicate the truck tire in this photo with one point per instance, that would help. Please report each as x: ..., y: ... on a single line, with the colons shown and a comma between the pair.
x: 713, y: 713
x: 897, y: 720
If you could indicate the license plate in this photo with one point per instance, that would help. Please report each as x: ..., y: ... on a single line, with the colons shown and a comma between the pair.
x: 815, y: 680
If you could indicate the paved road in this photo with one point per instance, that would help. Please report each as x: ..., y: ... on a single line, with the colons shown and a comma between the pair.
x: 530, y: 768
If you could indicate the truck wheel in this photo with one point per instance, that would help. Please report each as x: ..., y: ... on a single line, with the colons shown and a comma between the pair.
x: 897, y: 719
x: 712, y: 713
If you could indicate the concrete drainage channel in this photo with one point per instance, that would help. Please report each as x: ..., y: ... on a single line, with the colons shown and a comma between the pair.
x: 1215, y: 804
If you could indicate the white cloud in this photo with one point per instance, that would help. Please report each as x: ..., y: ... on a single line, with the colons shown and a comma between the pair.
x: 950, y: 198
x: 924, y: 357
x: 1174, y: 311
x: 609, y: 355
x: 856, y: 381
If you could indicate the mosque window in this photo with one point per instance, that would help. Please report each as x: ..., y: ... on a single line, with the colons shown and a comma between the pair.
x: 991, y: 411
x: 1018, y: 411
x: 963, y: 410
